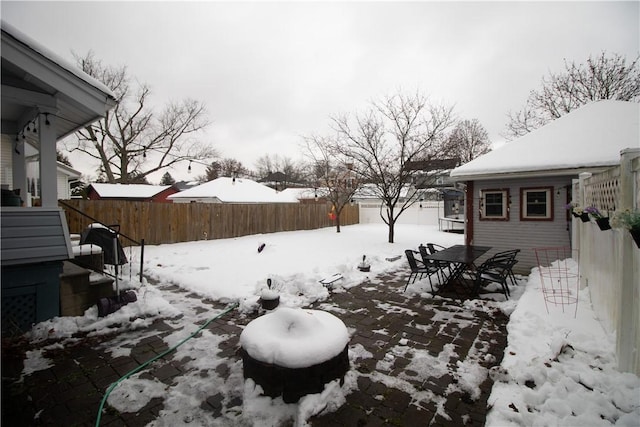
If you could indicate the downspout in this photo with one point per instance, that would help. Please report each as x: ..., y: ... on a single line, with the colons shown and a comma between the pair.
x: 468, y: 206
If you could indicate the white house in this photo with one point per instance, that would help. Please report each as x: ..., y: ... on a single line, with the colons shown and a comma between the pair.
x: 229, y: 190
x: 65, y: 176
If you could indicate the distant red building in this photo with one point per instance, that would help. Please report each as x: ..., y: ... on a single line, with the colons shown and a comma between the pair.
x: 133, y: 192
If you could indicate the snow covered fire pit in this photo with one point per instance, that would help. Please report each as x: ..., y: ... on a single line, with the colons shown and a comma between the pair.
x: 292, y: 352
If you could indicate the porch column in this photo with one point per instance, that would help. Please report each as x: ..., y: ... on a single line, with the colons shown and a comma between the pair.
x: 19, y: 168
x: 48, y: 166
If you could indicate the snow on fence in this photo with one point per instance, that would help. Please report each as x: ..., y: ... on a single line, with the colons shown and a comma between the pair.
x: 609, y: 260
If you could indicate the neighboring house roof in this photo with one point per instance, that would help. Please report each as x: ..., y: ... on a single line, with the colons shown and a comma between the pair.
x: 68, y: 171
x: 275, y: 177
x: 229, y: 190
x: 185, y: 185
x: 370, y: 191
x: 294, y: 195
x: 589, y: 137
x: 63, y: 170
x: 128, y: 191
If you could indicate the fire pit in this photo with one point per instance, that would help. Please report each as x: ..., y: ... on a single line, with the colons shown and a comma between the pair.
x: 293, y: 352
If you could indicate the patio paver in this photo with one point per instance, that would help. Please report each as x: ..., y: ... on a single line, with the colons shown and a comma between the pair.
x: 403, y: 343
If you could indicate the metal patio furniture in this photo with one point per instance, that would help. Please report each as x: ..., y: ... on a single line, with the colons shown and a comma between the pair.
x: 496, y: 269
x: 419, y: 268
x: 459, y: 258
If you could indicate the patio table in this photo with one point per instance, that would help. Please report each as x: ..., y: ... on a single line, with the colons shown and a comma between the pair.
x: 459, y: 258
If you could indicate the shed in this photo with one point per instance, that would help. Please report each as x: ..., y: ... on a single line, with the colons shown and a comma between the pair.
x: 516, y: 195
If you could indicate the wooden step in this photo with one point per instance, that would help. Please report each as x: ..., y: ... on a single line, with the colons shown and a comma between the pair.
x: 79, y: 289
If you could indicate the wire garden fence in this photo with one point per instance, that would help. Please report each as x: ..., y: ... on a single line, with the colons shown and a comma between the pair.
x: 560, y: 277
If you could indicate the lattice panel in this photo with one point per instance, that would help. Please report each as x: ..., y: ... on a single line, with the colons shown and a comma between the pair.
x: 603, y: 190
x: 19, y: 311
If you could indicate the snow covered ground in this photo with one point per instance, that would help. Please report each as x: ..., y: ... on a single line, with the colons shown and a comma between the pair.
x: 557, y: 370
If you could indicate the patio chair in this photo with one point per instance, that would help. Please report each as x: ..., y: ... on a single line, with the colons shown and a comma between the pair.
x: 433, y: 248
x: 439, y: 266
x: 494, y: 270
x: 419, y: 268
x: 510, y: 259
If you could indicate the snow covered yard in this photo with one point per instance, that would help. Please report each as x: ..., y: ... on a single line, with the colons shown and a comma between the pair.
x: 557, y: 369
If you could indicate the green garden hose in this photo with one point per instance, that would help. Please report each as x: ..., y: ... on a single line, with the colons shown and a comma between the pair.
x: 148, y: 362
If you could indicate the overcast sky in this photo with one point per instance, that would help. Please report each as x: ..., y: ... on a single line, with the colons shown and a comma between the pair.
x: 270, y: 73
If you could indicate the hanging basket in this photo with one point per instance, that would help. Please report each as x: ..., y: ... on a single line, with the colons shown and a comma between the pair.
x: 603, y: 223
x: 584, y: 217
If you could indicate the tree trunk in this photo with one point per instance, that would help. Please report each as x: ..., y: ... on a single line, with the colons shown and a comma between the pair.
x: 337, y: 222
x: 392, y: 223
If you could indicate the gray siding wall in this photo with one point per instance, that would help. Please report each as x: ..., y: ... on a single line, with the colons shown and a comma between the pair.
x: 32, y: 235
x: 524, y: 235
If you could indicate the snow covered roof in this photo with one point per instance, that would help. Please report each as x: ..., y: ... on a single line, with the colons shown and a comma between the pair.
x: 589, y: 137
x: 36, y: 81
x: 128, y: 191
x: 55, y: 58
x: 293, y: 195
x: 68, y: 171
x: 228, y: 190
x: 370, y: 191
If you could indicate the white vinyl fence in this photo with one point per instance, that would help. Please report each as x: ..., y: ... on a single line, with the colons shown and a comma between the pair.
x: 610, y: 260
x: 420, y: 213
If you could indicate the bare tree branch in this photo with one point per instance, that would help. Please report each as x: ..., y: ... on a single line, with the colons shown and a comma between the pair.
x: 332, y: 172
x: 468, y: 140
x: 602, y: 77
x: 396, y: 130
x: 131, y: 141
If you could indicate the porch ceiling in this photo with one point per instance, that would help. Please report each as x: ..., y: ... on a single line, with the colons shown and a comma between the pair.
x: 35, y: 81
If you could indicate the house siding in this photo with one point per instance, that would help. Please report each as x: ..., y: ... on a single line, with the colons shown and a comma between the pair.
x: 515, y: 233
x: 63, y: 187
x: 34, y: 235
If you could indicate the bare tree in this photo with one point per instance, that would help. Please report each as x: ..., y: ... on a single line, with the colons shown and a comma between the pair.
x: 602, y: 77
x: 333, y: 172
x: 468, y: 140
x: 385, y: 141
x: 131, y: 142
x: 267, y: 165
x: 225, y: 167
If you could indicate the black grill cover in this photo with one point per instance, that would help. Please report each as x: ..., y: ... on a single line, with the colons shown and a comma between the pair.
x: 103, y: 237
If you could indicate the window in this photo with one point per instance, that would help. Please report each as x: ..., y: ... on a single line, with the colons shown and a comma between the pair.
x: 537, y: 204
x: 494, y: 205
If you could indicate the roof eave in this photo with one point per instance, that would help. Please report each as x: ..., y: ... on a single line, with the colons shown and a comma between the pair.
x: 529, y: 174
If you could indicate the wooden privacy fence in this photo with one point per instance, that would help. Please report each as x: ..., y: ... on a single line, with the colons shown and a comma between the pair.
x: 159, y: 223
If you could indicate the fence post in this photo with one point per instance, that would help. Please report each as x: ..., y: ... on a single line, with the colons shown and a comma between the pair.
x: 578, y: 227
x: 141, y: 259
x: 627, y: 328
